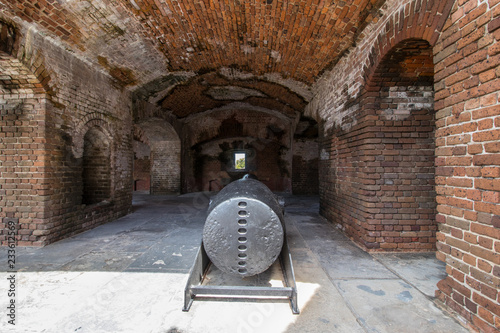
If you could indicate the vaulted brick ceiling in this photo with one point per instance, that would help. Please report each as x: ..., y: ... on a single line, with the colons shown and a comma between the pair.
x: 142, y: 41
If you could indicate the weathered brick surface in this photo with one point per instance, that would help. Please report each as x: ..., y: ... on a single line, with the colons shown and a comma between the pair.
x: 408, y: 113
x: 377, y: 150
x: 468, y: 193
x: 165, y: 169
x: 357, y: 159
x: 49, y: 113
x: 209, y: 142
x: 163, y: 158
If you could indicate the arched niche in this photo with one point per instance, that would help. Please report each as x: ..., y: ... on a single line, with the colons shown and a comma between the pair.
x: 96, y: 167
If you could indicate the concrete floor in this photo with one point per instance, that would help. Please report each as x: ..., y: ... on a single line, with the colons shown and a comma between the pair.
x: 129, y: 276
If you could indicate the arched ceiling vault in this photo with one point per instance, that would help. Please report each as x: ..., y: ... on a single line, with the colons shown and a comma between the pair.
x: 156, y: 47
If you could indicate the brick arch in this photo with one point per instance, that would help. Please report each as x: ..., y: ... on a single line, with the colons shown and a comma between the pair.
x: 418, y: 19
x: 90, y: 120
x: 97, y: 166
x: 384, y: 177
x: 397, y: 110
x: 10, y: 41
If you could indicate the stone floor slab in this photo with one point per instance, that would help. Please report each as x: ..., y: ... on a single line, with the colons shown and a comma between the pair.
x: 394, y: 306
x: 421, y: 270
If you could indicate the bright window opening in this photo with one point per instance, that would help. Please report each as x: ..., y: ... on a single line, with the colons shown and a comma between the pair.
x: 240, y: 161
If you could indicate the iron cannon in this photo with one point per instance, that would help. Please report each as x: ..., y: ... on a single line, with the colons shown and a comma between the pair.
x: 244, y: 234
x: 244, y: 229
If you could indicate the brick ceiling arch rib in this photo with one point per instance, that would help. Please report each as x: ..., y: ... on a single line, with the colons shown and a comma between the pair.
x: 157, y: 130
x: 242, y: 107
x: 139, y: 41
x: 214, y: 90
x: 230, y: 123
x: 399, y: 29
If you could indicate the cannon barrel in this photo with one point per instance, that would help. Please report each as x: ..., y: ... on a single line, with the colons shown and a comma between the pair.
x: 244, y: 229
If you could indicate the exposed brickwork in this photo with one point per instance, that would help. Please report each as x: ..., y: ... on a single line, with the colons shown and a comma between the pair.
x: 405, y: 94
x: 51, y: 15
x: 467, y: 138
x: 377, y: 147
x: 352, y: 104
x: 23, y: 150
x: 63, y: 102
x: 91, y: 27
x: 383, y: 182
x: 165, y: 168
x: 96, y: 164
x: 164, y: 159
x: 210, y: 140
x: 212, y: 90
x: 294, y: 38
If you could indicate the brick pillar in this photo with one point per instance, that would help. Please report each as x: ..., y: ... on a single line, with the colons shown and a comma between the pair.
x: 23, y: 161
x: 468, y: 162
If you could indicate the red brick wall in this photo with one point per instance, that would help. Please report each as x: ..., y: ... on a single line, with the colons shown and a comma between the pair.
x: 23, y: 188
x: 54, y: 105
x: 376, y: 141
x: 358, y: 145
x: 467, y: 85
x: 158, y: 162
x: 382, y: 184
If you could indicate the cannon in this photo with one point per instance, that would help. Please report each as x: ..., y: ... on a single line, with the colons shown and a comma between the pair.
x: 243, y: 235
x: 244, y: 228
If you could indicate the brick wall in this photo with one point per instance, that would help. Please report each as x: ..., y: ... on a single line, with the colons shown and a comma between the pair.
x: 210, y: 140
x: 468, y: 162
x: 165, y: 167
x: 368, y: 146
x: 53, y: 105
x: 23, y: 151
x: 96, y: 163
x: 376, y: 113
x: 382, y: 184
x: 161, y: 154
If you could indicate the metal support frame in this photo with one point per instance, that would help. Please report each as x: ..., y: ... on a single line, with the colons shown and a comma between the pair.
x: 200, y: 269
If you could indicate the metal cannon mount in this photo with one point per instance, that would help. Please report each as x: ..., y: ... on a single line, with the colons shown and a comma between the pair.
x: 244, y: 234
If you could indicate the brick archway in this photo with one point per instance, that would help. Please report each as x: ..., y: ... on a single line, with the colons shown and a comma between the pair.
x: 162, y: 168
x: 412, y: 21
x: 396, y: 171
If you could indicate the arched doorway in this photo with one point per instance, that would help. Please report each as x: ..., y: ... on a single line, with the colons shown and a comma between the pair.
x: 159, y: 138
x: 384, y: 166
x: 399, y: 160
